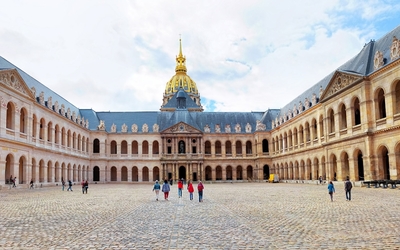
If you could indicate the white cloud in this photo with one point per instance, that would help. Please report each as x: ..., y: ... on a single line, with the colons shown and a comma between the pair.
x: 247, y: 55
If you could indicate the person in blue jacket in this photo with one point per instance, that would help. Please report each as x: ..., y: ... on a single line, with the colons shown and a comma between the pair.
x: 331, y: 190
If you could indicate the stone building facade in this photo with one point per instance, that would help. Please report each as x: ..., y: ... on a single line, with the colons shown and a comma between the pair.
x: 347, y: 124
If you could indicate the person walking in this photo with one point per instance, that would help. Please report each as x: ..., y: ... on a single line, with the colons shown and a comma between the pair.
x: 347, y: 188
x: 31, y: 184
x: 190, y: 189
x: 62, y: 183
x: 156, y: 189
x: 83, y: 186
x: 86, y: 186
x: 70, y: 185
x: 165, y: 189
x: 180, y: 187
x: 331, y: 190
x: 14, y: 181
x: 200, y: 188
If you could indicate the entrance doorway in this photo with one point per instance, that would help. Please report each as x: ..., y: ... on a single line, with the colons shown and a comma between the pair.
x: 182, y: 172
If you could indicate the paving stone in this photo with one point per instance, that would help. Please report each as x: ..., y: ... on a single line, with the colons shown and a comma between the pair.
x: 232, y: 216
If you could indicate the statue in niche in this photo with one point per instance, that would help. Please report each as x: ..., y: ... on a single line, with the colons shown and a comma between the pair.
x: 314, y: 99
x: 260, y: 126
x: 124, y: 128
x: 50, y: 102
x: 238, y: 128
x: 134, y: 128
x: 207, y: 129
x: 145, y: 128
x: 155, y: 127
x: 228, y: 128
x: 41, y: 98
x: 113, y: 128
x: 101, y: 126
x: 217, y: 128
x: 248, y: 128
x: 181, y: 147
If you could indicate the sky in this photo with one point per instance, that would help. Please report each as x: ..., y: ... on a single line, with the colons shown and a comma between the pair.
x: 243, y: 55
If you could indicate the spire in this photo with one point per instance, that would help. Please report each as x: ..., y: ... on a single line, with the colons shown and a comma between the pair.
x: 180, y: 60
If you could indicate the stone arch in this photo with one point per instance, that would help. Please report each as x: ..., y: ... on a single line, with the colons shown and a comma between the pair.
x: 9, y: 171
x: 96, y: 173
x: 113, y: 147
x: 396, y: 96
x: 238, y: 147
x: 331, y: 121
x: 359, y: 174
x: 124, y: 173
x: 383, y: 171
x: 10, y: 116
x: 49, y: 171
x: 342, y: 116
x: 229, y: 175
x: 23, y: 121
x: 266, y: 172
x: 208, y: 173
x: 156, y: 173
x: 332, y: 174
x: 345, y: 168
x: 380, y: 104
x: 156, y: 150
x: 228, y: 148
x: 124, y: 147
x: 145, y: 174
x: 265, y: 148
x: 239, y: 173
x: 114, y: 173
x: 356, y: 117
x: 207, y: 149
x: 249, y: 172
x: 218, y: 173
x: 217, y: 147
x: 135, y: 148
x: 135, y: 173
x: 145, y: 148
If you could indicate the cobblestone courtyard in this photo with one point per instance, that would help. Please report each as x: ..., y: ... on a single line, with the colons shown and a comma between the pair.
x: 232, y: 216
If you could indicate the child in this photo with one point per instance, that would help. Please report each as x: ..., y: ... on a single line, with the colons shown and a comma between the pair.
x: 331, y: 189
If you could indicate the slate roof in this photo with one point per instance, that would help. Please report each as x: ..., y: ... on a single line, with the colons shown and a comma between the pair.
x: 32, y: 82
x: 361, y: 64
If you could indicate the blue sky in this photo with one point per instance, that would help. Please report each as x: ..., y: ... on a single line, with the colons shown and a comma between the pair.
x: 245, y: 56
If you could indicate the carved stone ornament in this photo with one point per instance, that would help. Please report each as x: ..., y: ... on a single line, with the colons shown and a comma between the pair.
x: 294, y: 110
x: 306, y: 103
x: 33, y: 90
x: 272, y: 124
x: 314, y: 99
x: 340, y: 82
x: 248, y: 128
x: 227, y: 128
x: 300, y: 108
x: 145, y: 128
x: 378, y: 60
x: 394, y: 49
x: 260, y: 126
x: 101, y: 126
x: 10, y: 79
x: 238, y: 128
x: 321, y: 91
x: 62, y: 109
x: 3, y: 102
x: 284, y: 118
x: 155, y: 128
x: 56, y: 107
x: 217, y: 128
x: 78, y: 120
x: 207, y: 129
x: 290, y: 114
x: 50, y: 102
x: 87, y: 123
x: 134, y: 128
x: 113, y: 128
x: 124, y: 128
x: 74, y: 116
x: 41, y: 98
x: 69, y: 113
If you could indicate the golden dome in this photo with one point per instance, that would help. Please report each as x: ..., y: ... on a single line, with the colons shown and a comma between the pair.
x: 180, y: 79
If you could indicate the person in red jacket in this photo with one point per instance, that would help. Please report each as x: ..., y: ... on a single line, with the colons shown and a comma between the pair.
x: 180, y: 187
x: 190, y: 189
x: 200, y: 188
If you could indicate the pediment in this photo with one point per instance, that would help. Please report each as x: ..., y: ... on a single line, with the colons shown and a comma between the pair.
x: 181, y: 127
x: 340, y: 81
x: 13, y: 80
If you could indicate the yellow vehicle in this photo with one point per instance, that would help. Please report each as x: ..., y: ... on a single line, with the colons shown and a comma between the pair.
x: 273, y: 178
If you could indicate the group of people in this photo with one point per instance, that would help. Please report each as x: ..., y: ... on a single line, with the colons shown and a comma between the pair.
x: 166, y: 188
x: 85, y: 185
x: 347, y: 188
